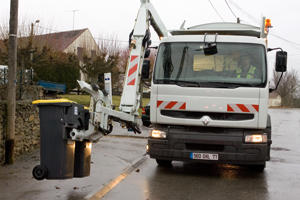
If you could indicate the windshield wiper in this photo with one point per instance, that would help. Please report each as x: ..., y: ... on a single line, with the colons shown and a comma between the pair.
x: 228, y: 84
x: 217, y: 84
x: 181, y: 83
x: 187, y: 83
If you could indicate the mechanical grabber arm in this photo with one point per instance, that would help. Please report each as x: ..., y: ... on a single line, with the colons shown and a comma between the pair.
x: 102, y: 113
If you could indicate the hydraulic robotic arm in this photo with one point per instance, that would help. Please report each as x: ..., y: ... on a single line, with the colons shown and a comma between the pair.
x: 102, y: 113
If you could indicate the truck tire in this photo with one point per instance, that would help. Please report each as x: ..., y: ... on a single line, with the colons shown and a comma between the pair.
x: 164, y: 163
x: 258, y: 168
x: 268, y: 130
x: 39, y: 172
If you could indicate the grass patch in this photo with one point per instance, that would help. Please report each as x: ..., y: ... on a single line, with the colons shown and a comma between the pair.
x: 85, y: 99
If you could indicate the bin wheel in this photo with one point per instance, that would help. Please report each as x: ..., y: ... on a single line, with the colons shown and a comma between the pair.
x: 39, y: 172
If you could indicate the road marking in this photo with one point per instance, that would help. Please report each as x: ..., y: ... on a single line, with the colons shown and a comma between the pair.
x: 108, y: 187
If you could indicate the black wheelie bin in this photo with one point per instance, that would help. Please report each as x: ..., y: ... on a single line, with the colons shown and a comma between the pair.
x: 57, y: 151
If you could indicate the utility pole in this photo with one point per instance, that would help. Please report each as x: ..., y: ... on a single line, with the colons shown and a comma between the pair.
x: 11, y: 88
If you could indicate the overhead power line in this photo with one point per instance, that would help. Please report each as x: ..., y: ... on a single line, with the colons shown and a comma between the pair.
x: 230, y: 9
x: 216, y: 10
x: 294, y: 44
x: 286, y: 40
x: 112, y: 40
x: 254, y: 19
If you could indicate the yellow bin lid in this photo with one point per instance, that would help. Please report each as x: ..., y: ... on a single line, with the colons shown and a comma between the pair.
x: 52, y: 101
x: 55, y: 101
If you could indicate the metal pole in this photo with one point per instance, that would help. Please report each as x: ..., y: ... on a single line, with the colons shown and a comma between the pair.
x: 74, y: 12
x: 11, y: 88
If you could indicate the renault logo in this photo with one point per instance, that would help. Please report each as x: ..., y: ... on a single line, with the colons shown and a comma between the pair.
x: 205, y: 120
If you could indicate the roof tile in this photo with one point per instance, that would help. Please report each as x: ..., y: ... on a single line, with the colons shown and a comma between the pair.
x: 59, y: 41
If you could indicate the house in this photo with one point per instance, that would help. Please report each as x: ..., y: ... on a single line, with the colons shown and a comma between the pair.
x: 80, y: 42
x: 274, y: 100
x: 69, y: 41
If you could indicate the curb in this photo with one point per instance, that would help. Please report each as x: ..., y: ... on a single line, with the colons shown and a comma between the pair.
x: 100, y: 193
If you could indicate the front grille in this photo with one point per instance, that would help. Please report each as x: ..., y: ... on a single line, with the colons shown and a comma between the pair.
x: 204, y: 147
x: 212, y: 115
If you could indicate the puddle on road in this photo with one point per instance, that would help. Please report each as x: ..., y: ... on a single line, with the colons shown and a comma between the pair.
x: 277, y: 160
x: 279, y: 149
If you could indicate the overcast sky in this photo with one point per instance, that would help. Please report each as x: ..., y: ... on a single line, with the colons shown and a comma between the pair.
x: 117, y: 17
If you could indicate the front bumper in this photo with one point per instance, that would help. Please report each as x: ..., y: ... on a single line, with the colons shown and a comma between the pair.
x: 229, y: 146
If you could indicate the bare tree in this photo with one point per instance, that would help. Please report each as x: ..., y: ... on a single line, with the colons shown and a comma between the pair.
x: 109, y: 45
x: 106, y: 60
x: 288, y: 86
x: 123, y: 61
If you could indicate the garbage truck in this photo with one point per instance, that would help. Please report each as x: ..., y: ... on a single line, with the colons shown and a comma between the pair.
x: 209, y: 95
x: 209, y: 98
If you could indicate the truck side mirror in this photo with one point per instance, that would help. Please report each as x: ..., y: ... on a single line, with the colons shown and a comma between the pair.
x: 281, y: 61
x: 146, y: 70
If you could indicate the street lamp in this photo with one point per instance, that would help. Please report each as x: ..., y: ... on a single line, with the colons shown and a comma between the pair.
x: 32, y: 26
x: 31, y: 48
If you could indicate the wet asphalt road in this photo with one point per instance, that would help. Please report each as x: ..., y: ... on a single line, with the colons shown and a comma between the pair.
x: 109, y: 158
x: 280, y: 180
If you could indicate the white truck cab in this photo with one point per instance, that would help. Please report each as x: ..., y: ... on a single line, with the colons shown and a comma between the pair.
x: 185, y: 79
x: 209, y: 96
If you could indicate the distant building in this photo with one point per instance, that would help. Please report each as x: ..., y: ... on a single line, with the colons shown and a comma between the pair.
x: 274, y: 100
x: 79, y: 42
x: 69, y: 41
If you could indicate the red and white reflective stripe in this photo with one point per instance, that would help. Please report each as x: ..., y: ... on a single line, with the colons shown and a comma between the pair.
x: 171, y: 105
x: 243, y: 108
x: 133, y: 65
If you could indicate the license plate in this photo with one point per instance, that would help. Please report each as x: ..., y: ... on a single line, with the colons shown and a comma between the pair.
x: 204, y: 156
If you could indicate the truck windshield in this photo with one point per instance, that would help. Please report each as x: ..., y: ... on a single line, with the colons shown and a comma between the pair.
x: 235, y: 65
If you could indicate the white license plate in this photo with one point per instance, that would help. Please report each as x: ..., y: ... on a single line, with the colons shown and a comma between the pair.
x: 204, y: 156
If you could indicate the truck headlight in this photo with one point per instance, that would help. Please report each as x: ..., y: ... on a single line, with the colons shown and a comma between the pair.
x: 257, y: 138
x: 158, y: 134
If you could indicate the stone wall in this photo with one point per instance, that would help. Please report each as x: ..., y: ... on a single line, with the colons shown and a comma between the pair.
x: 27, y: 134
x: 28, y: 92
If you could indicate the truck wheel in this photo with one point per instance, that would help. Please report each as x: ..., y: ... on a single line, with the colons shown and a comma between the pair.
x: 258, y: 168
x: 39, y: 172
x: 268, y: 130
x: 164, y: 163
